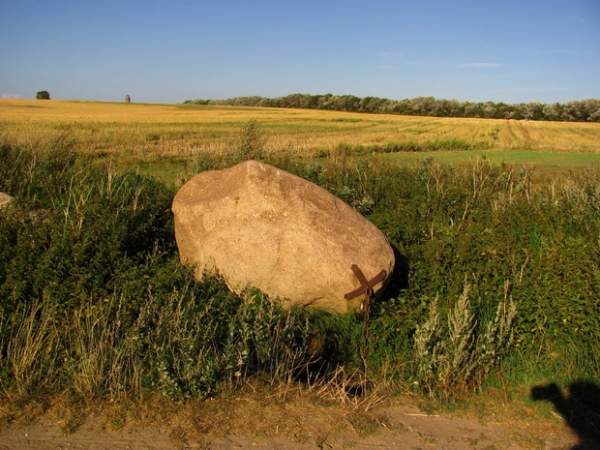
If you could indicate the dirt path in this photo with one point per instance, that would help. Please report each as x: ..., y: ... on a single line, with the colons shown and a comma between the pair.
x: 243, y: 423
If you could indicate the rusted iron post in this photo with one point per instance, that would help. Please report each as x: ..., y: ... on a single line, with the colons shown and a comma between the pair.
x: 366, y: 288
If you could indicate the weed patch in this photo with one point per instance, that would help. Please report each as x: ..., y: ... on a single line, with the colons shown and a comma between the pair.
x: 94, y: 302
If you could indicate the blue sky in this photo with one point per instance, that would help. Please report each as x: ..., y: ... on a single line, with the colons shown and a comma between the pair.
x: 508, y: 51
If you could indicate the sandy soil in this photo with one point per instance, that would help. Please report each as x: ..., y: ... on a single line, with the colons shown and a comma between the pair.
x: 249, y: 423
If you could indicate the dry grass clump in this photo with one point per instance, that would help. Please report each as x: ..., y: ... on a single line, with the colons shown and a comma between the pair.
x: 455, y: 354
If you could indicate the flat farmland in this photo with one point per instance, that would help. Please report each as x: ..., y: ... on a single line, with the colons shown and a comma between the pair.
x: 144, y: 132
x: 84, y: 240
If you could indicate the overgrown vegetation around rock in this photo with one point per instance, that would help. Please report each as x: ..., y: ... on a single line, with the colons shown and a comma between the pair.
x: 512, y: 233
x: 93, y: 300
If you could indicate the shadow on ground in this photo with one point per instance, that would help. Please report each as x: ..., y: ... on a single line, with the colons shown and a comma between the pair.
x: 579, y: 406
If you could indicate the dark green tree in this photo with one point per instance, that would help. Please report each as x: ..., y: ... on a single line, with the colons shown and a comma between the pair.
x: 43, y: 95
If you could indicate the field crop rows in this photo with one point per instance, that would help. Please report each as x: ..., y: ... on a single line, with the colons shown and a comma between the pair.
x: 141, y: 132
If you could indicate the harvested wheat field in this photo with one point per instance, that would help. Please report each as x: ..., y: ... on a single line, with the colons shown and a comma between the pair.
x: 145, y: 130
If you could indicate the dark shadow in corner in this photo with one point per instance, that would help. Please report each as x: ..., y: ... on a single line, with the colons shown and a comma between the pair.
x: 399, y: 279
x: 580, y: 407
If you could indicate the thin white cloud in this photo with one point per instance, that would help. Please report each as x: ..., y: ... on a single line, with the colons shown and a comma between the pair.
x: 565, y: 51
x: 446, y: 63
x: 389, y: 55
x: 8, y: 95
x: 538, y: 89
x: 389, y: 60
x: 482, y: 65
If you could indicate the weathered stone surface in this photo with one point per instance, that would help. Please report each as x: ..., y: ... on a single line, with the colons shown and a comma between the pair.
x: 5, y: 199
x: 260, y: 226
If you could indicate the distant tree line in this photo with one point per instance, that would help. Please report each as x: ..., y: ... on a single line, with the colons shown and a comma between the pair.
x: 572, y: 111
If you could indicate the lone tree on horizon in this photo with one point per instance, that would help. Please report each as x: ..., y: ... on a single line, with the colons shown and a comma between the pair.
x: 43, y: 95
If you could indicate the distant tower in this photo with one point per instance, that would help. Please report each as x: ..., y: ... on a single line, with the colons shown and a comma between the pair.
x: 127, y: 99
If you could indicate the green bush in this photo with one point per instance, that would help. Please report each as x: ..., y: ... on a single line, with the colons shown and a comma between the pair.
x: 75, y: 228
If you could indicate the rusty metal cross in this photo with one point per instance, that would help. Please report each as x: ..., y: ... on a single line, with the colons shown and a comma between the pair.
x: 366, y: 286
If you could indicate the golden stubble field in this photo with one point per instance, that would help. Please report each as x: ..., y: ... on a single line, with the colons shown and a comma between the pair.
x: 147, y: 131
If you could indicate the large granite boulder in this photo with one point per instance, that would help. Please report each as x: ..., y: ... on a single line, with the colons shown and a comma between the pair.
x: 5, y: 200
x: 259, y: 226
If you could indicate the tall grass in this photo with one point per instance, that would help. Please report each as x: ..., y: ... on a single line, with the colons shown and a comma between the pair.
x: 93, y: 300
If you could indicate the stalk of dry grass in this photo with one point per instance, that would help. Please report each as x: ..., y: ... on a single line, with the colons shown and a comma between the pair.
x: 104, y: 355
x: 32, y: 350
